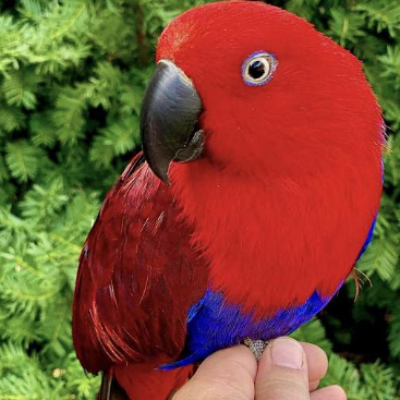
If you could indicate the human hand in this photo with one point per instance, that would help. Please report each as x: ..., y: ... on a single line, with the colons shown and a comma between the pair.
x: 288, y: 370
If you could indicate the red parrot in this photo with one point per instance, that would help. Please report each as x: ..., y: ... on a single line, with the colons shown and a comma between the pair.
x: 256, y: 192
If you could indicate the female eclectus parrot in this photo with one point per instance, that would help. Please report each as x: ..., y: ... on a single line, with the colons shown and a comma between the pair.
x: 257, y: 191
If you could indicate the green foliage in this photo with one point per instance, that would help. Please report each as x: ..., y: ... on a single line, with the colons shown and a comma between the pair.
x: 72, y: 76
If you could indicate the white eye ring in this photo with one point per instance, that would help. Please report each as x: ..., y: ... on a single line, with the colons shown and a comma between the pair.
x: 258, y: 68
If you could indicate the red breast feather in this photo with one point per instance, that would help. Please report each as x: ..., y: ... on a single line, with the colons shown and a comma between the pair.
x: 290, y: 182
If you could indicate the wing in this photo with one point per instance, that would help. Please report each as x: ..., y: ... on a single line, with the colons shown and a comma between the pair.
x: 138, y: 276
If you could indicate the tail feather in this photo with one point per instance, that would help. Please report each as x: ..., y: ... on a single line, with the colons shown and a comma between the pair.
x: 110, y: 389
x: 144, y: 382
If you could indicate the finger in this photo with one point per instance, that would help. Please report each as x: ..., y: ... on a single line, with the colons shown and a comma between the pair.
x: 317, y: 361
x: 313, y: 385
x: 282, y: 372
x: 226, y: 374
x: 329, y: 393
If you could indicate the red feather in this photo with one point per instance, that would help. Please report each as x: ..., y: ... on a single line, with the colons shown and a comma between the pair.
x: 290, y: 183
x: 137, y: 278
x: 280, y: 204
x: 141, y: 381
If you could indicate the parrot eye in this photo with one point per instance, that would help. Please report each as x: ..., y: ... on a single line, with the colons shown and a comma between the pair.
x: 258, y: 68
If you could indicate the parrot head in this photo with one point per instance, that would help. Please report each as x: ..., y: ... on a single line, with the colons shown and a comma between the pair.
x: 253, y: 88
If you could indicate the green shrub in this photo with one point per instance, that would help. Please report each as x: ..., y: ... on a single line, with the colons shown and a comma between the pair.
x: 72, y: 75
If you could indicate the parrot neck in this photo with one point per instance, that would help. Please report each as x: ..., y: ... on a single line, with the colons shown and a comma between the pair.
x: 272, y: 243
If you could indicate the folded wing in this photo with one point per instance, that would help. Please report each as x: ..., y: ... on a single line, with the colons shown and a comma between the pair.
x: 139, y: 274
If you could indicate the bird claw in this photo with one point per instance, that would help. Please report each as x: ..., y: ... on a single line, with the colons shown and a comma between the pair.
x: 257, y: 347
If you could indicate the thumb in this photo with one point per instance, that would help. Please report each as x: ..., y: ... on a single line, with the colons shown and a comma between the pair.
x: 226, y: 374
x: 282, y: 372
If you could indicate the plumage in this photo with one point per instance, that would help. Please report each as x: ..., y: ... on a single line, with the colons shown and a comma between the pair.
x: 254, y: 237
x: 138, y: 276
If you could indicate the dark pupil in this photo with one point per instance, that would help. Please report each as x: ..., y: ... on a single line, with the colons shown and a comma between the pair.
x: 256, y: 69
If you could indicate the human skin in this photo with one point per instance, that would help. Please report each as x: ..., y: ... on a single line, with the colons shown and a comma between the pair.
x: 288, y: 370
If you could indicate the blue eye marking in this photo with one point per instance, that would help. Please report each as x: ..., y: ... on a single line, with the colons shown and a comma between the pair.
x: 258, y: 68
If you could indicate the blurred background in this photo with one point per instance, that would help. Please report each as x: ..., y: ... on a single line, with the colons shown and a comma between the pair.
x: 72, y: 75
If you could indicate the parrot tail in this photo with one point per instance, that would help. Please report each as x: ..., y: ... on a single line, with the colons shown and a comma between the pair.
x: 142, y: 382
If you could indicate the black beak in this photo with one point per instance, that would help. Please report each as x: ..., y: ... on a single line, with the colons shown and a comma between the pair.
x: 169, y: 114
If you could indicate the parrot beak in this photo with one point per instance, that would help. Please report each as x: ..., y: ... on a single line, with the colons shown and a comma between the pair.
x: 169, y: 114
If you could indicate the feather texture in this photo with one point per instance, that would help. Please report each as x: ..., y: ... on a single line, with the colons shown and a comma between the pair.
x: 254, y: 238
x: 291, y: 176
x: 138, y: 276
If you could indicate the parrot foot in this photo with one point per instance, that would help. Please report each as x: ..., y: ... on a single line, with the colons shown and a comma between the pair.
x: 257, y: 347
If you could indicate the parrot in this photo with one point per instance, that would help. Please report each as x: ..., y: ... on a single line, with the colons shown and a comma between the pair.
x: 255, y: 194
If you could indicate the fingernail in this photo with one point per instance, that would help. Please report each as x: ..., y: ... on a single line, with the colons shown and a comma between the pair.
x: 287, y: 352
